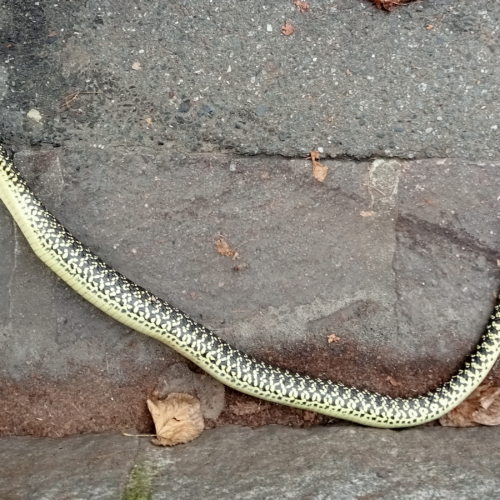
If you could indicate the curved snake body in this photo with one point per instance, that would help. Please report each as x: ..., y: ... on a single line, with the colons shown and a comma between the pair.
x: 139, y: 309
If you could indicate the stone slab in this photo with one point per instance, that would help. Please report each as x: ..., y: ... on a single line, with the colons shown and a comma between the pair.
x: 238, y: 463
x: 397, y: 259
x: 83, y: 467
x: 202, y: 75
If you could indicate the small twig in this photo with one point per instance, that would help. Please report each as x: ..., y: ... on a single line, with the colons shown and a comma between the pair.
x: 138, y: 435
x: 68, y: 100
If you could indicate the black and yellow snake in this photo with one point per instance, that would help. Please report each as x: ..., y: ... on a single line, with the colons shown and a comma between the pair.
x: 139, y: 309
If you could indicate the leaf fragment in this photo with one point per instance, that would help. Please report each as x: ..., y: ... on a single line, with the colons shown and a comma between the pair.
x: 332, y: 338
x: 136, y: 66
x: 178, y: 419
x: 224, y: 249
x: 319, y: 171
x: 301, y: 5
x: 366, y: 214
x: 287, y: 29
x: 393, y: 381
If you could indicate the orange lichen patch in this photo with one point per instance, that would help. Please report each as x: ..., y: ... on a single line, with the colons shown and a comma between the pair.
x: 178, y: 419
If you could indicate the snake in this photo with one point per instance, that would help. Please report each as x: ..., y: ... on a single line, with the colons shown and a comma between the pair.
x: 143, y: 311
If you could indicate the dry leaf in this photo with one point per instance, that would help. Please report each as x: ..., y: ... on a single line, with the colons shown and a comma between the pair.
x: 224, y: 249
x: 319, y: 171
x: 366, y: 214
x: 482, y: 407
x: 178, y: 419
x: 429, y: 27
x: 136, y: 65
x: 498, y: 262
x: 430, y: 202
x: 54, y: 33
x: 149, y: 121
x: 347, y: 72
x: 302, y: 6
x: 332, y: 338
x: 393, y: 382
x: 287, y: 29
x: 388, y: 4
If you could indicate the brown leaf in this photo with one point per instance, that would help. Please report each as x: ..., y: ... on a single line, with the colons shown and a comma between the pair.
x: 302, y: 6
x: 388, y: 4
x: 366, y: 214
x: 178, y: 419
x: 136, y: 66
x: 347, y: 72
x: 332, y: 338
x: 53, y: 33
x: 287, y: 29
x: 429, y: 27
x: 482, y: 407
x: 319, y: 171
x: 430, y: 202
x: 224, y: 249
x: 149, y: 121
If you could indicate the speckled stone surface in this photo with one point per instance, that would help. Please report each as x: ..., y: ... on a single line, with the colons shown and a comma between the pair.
x: 205, y: 75
x: 236, y: 463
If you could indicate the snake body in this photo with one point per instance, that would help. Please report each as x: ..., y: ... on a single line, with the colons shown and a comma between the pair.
x: 139, y: 309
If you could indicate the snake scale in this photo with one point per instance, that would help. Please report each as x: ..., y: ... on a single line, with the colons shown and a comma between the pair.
x: 139, y: 309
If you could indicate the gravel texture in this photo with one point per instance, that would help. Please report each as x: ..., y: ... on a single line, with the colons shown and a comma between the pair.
x: 206, y: 75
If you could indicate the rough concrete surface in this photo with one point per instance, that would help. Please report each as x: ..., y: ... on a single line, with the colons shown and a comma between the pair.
x: 271, y: 462
x: 219, y: 74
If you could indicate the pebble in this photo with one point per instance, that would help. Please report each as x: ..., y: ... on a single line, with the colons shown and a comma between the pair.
x: 184, y: 107
x: 34, y: 115
x: 261, y: 110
